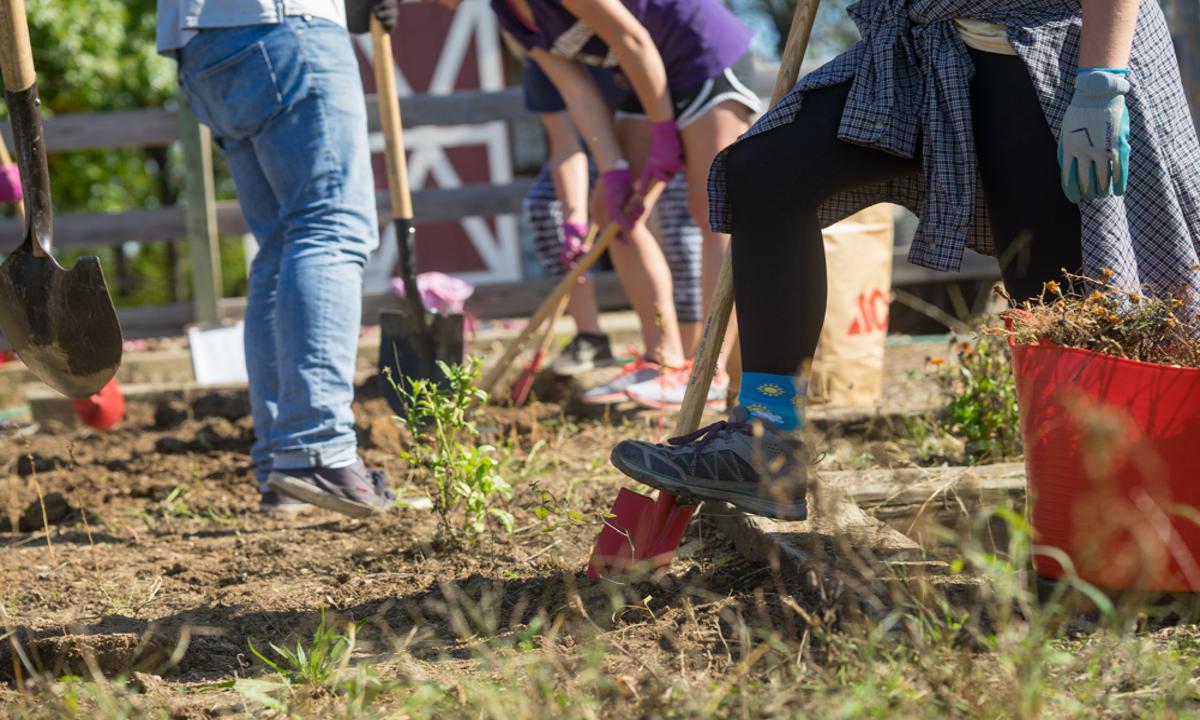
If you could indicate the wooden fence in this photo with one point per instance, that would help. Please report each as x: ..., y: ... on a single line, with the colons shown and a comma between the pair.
x: 199, y: 220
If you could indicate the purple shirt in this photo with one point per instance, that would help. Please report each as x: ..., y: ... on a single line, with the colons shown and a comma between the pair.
x: 696, y: 38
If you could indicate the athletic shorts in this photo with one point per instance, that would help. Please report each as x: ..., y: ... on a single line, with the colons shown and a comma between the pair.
x: 543, y: 98
x: 691, y: 104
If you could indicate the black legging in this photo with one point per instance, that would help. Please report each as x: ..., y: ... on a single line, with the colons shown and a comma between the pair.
x: 779, y: 178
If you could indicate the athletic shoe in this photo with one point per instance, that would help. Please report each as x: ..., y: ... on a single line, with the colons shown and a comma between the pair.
x: 666, y: 392
x: 584, y: 353
x: 613, y: 391
x: 274, y: 502
x: 744, y: 461
x: 353, y: 490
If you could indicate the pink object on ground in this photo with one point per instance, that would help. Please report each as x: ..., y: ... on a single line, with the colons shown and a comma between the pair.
x: 104, y: 409
x: 10, y: 184
x: 441, y: 293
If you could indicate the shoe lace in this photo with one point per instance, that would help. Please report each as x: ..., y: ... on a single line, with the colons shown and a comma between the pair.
x: 701, y: 437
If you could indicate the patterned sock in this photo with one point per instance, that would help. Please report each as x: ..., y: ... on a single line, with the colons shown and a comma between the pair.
x: 778, y: 399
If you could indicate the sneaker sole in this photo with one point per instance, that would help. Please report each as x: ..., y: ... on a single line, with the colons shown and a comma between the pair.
x: 297, y: 509
x: 577, y: 370
x: 610, y: 399
x: 717, y: 405
x: 752, y: 504
x: 300, y: 490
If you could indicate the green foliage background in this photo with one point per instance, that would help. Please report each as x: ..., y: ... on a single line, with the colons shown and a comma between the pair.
x: 99, y: 55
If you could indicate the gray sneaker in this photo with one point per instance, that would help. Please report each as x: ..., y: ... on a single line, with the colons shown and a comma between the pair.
x: 584, y: 353
x: 353, y: 490
x: 273, y: 502
x: 743, y: 461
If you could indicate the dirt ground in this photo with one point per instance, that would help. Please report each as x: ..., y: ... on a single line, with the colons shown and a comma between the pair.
x: 157, y: 568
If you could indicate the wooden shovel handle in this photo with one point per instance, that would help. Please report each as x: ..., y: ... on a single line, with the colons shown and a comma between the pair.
x: 16, y: 55
x: 696, y: 396
x: 550, y: 304
x: 389, y: 119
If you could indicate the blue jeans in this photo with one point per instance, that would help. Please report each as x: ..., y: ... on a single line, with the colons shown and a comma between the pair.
x: 285, y: 104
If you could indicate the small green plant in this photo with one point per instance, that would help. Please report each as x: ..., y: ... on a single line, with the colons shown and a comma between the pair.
x: 464, y: 475
x: 319, y: 664
x: 982, y: 405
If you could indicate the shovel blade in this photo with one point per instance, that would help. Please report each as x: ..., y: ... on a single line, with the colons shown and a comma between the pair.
x: 524, y: 383
x: 61, y: 323
x: 402, y: 350
x: 638, y: 535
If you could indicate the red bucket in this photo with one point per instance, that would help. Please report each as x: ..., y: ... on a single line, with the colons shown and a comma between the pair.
x: 1112, y: 458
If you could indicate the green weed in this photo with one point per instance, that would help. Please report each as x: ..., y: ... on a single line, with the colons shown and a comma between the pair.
x: 318, y: 665
x: 463, y: 475
x: 982, y: 401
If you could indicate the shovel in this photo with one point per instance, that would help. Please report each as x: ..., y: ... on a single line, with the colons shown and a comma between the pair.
x: 411, y: 339
x: 524, y: 382
x: 644, y: 532
x: 61, y: 323
x: 564, y: 287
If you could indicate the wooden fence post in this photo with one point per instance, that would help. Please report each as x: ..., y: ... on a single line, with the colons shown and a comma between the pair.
x: 201, y: 216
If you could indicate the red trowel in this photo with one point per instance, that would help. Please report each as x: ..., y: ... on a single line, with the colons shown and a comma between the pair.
x: 644, y: 532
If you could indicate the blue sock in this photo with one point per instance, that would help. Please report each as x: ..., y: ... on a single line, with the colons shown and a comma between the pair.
x: 778, y: 399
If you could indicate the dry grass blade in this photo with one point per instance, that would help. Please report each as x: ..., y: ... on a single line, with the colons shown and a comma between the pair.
x: 1092, y: 314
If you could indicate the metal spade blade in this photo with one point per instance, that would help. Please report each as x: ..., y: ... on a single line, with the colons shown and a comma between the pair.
x: 61, y: 323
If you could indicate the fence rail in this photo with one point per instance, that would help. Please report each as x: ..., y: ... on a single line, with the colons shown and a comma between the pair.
x: 163, y: 127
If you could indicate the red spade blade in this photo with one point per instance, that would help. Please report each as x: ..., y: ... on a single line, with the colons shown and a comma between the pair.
x: 641, y: 531
x: 524, y: 383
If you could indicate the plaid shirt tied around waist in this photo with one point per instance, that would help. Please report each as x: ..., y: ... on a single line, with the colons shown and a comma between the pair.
x: 910, y: 89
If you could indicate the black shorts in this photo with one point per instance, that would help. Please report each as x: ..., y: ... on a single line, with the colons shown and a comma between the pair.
x: 691, y: 104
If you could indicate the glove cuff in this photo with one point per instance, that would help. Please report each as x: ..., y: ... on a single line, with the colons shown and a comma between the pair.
x: 1102, y: 82
x: 575, y: 230
x: 662, y: 128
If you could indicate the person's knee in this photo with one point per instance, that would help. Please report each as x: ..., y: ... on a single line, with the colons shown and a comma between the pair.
x: 697, y: 205
x: 759, y: 169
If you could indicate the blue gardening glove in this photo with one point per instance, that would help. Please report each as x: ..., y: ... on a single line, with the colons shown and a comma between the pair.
x: 1093, y: 149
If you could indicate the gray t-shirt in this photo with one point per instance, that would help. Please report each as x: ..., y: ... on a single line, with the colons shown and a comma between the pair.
x: 178, y: 20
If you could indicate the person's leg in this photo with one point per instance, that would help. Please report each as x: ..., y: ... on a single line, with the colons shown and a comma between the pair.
x: 776, y: 181
x: 703, y: 138
x: 682, y: 243
x: 641, y: 265
x: 542, y: 208
x: 262, y: 215
x: 317, y: 159
x: 259, y: 207
x: 1037, y: 230
x: 292, y: 91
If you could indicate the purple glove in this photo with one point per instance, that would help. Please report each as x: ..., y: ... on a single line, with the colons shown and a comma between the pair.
x: 573, y: 248
x: 619, y: 199
x: 666, y: 153
x: 10, y: 184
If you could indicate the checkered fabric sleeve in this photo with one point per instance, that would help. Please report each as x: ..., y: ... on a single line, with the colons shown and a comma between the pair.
x: 910, y: 81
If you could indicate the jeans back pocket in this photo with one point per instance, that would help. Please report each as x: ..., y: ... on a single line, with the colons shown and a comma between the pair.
x: 237, y: 96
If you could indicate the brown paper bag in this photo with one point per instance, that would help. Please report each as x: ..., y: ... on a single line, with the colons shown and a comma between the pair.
x: 848, y: 368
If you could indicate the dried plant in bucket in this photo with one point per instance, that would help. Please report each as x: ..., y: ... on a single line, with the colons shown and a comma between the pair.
x: 1109, y: 390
